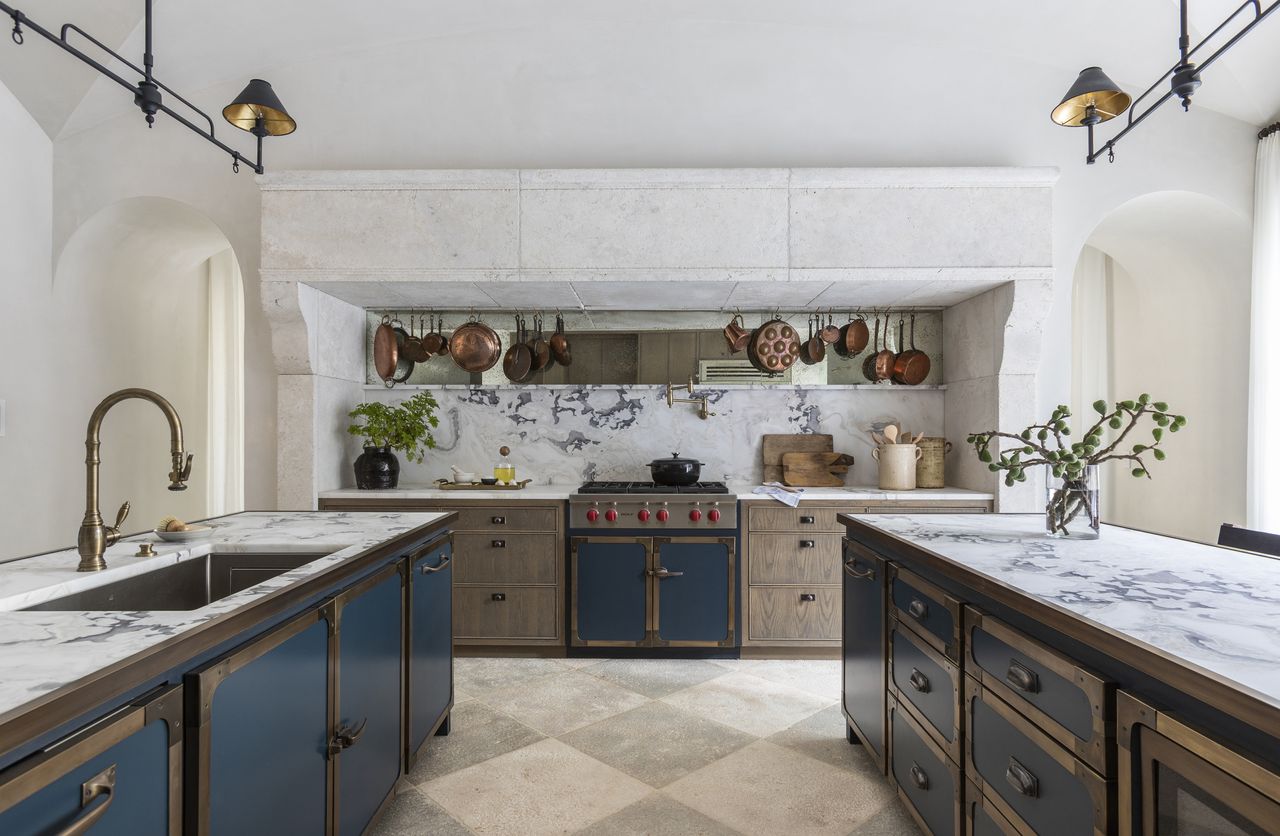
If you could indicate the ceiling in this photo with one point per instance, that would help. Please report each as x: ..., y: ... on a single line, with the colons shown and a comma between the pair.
x: 205, y: 45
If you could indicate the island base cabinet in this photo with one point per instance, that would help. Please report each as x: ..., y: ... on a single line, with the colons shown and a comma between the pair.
x: 122, y: 776
x: 430, y: 650
x: 928, y: 781
x: 863, y: 651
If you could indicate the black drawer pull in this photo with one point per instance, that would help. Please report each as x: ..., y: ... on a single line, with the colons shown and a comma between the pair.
x: 806, y: 544
x: 498, y: 520
x: 444, y: 561
x: 851, y: 569
x: 919, y: 777
x: 1021, y: 779
x: 917, y: 609
x: 806, y: 520
x: 498, y: 544
x: 1022, y: 677
x: 499, y: 596
x: 919, y: 681
x: 808, y: 596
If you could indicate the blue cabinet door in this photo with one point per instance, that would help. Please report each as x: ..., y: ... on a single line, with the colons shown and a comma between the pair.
x: 430, y: 692
x: 367, y: 732
x: 694, y: 583
x: 610, y: 601
x: 120, y: 777
x: 864, y: 649
x: 258, y: 750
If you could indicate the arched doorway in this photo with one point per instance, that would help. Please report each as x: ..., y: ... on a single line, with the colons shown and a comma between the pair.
x: 148, y: 293
x: 1161, y: 305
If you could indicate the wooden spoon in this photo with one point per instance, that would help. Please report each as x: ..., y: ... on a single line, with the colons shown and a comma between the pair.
x: 891, y: 433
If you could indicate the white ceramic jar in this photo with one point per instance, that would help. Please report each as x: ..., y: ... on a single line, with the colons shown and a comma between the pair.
x: 897, y: 466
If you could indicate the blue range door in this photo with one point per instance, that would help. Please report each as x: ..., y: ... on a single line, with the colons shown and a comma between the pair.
x: 864, y: 649
x: 610, y: 600
x: 430, y: 645
x: 120, y: 777
x: 693, y: 591
x: 366, y: 742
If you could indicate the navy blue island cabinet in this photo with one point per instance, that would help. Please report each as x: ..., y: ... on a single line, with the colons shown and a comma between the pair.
x: 430, y: 650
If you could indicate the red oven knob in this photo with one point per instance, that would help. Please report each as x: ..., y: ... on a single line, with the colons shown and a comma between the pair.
x: 714, y: 515
x: 643, y: 515
x: 592, y: 515
x: 663, y: 515
x: 611, y: 515
x: 695, y: 515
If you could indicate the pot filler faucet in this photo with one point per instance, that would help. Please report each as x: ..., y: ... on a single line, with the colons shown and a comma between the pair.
x: 94, y: 535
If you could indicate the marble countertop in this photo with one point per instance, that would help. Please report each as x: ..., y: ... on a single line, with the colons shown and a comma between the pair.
x: 41, y: 652
x: 1206, y: 607
x: 740, y: 490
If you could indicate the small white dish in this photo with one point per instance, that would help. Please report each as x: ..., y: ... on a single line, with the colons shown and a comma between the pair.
x: 193, y: 533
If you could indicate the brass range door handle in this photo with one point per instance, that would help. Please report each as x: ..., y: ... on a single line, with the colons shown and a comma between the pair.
x: 427, y: 570
x: 662, y: 572
x: 96, y: 796
x: 851, y: 569
x: 346, y: 737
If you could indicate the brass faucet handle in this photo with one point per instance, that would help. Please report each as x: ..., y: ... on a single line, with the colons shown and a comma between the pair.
x: 113, y: 533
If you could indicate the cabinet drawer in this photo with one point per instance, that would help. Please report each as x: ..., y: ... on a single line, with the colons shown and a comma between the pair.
x: 500, y: 558
x: 1072, y: 704
x: 928, y: 781
x: 930, y: 684
x: 775, y: 518
x: 504, y: 612
x: 932, y: 613
x: 982, y: 817
x: 788, y: 612
x: 795, y: 558
x: 498, y: 518
x: 1033, y: 781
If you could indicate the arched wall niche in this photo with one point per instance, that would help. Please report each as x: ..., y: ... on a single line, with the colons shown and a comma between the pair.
x: 1161, y: 305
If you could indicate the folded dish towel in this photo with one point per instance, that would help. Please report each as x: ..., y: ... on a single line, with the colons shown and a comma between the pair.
x: 787, y: 496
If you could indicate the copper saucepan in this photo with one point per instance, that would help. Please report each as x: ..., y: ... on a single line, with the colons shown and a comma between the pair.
x: 911, y: 367
x: 885, y: 357
x: 853, y: 338
x: 869, y: 363
x: 813, y: 350
x: 560, y: 343
x: 517, y: 364
x: 386, y: 351
x: 830, y: 333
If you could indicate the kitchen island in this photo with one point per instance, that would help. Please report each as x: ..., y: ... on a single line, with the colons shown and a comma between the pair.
x: 327, y: 627
x: 1010, y: 682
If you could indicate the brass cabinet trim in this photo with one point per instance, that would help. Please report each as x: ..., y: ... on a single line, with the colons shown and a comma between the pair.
x: 973, y: 797
x: 949, y: 602
x: 955, y: 747
x: 954, y: 768
x: 1097, y: 750
x: 1096, y: 785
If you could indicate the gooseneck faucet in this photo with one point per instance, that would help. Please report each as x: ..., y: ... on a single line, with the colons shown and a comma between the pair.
x: 95, y: 535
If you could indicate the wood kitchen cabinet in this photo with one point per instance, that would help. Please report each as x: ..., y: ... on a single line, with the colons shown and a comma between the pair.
x: 120, y: 776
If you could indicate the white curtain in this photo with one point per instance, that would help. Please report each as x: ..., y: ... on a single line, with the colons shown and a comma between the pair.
x: 1091, y: 340
x: 224, y: 463
x: 1264, y: 362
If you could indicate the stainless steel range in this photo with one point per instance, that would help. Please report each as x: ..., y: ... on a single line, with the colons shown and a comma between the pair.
x: 653, y: 566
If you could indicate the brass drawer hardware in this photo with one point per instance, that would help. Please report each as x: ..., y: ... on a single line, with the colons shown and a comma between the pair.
x: 919, y: 681
x: 102, y: 785
x: 1021, y: 779
x: 919, y: 777
x: 497, y: 544
x: 851, y: 569
x: 806, y: 544
x: 346, y: 737
x: 918, y: 609
x: 808, y: 596
x: 663, y: 572
x: 498, y: 520
x: 428, y: 570
x: 806, y: 520
x: 1021, y: 678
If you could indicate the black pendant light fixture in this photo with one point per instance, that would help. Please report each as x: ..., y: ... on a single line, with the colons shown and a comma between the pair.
x: 1094, y: 98
x: 257, y: 109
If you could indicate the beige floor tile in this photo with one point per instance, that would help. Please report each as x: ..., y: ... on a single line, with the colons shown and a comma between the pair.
x: 744, y: 701
x: 657, y: 743
x: 562, y: 702
x: 578, y: 664
x: 477, y: 733
x: 546, y: 788
x: 893, y: 820
x: 817, y: 676
x: 479, y: 675
x: 656, y: 677
x: 822, y: 736
x: 768, y: 789
x: 411, y: 813
x: 658, y: 815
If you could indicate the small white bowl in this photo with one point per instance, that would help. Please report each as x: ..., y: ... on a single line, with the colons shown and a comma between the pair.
x: 460, y: 478
x: 193, y: 533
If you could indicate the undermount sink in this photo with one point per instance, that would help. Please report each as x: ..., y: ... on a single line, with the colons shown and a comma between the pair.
x: 188, y: 585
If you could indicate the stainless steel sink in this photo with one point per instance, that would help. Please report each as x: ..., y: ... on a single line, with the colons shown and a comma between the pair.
x: 188, y: 585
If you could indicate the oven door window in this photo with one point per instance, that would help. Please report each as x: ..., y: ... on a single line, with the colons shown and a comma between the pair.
x: 1188, y: 796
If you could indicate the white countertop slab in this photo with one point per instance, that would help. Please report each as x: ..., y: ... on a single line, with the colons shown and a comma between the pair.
x: 41, y: 652
x: 740, y: 490
x: 1209, y: 607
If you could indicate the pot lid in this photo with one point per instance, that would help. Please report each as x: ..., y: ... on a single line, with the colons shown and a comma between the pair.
x: 675, y: 459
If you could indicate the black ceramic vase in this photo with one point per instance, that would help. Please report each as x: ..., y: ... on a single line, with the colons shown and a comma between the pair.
x: 377, y: 468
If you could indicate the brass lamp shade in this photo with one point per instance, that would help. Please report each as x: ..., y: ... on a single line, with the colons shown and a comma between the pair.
x: 259, y: 101
x: 1092, y: 87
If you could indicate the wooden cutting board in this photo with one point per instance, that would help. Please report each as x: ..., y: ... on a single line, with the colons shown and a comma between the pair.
x: 775, y: 446
x: 815, y: 470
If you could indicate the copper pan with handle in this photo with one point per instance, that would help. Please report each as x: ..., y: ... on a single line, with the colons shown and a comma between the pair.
x: 475, y: 346
x: 911, y: 367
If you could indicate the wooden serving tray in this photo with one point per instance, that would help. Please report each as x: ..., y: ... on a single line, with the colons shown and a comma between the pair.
x: 446, y: 485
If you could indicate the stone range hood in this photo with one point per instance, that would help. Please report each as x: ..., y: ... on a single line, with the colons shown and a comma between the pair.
x: 975, y: 241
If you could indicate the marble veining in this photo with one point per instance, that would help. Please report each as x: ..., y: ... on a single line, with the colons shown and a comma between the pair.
x: 1209, y: 607
x: 41, y: 652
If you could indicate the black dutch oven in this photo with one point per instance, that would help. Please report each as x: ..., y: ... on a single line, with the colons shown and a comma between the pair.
x: 675, y: 470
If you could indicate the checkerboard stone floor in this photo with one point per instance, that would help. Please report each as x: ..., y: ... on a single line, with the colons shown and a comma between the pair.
x: 660, y: 747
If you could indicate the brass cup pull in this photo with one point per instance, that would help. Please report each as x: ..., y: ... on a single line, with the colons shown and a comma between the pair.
x: 918, y: 609
x: 851, y: 569
x: 806, y: 544
x: 96, y: 796
x: 806, y: 520
x: 1022, y: 677
x: 498, y: 520
x: 498, y: 544
x: 919, y: 681
x: 919, y: 777
x: 1021, y: 779
x: 499, y: 596
x: 808, y: 596
x: 445, y: 561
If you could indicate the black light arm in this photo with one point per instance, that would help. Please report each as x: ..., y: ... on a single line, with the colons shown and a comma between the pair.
x: 146, y: 93
x: 1183, y: 71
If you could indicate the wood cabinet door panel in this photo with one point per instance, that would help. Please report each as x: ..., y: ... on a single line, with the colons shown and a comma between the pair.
x: 506, y: 558
x: 504, y: 612
x: 785, y: 612
x: 795, y: 558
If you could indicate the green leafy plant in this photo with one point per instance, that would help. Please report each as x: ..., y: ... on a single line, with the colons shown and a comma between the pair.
x: 1049, y: 444
x: 405, y: 427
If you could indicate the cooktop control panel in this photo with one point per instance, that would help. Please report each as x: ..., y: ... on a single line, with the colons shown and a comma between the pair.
x: 657, y: 511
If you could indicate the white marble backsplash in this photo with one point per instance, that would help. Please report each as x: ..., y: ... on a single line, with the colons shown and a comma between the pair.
x: 569, y: 434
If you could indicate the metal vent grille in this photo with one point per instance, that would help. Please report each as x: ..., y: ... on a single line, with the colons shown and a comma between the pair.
x: 711, y: 372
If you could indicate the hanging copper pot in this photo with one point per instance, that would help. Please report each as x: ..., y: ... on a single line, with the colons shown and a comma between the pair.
x: 853, y: 338
x: 475, y: 347
x: 560, y: 343
x: 776, y: 345
x: 869, y: 363
x: 911, y: 367
x: 736, y: 334
x: 813, y: 350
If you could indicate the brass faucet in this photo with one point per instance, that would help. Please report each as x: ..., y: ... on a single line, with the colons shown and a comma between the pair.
x: 94, y: 535
x: 701, y: 401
